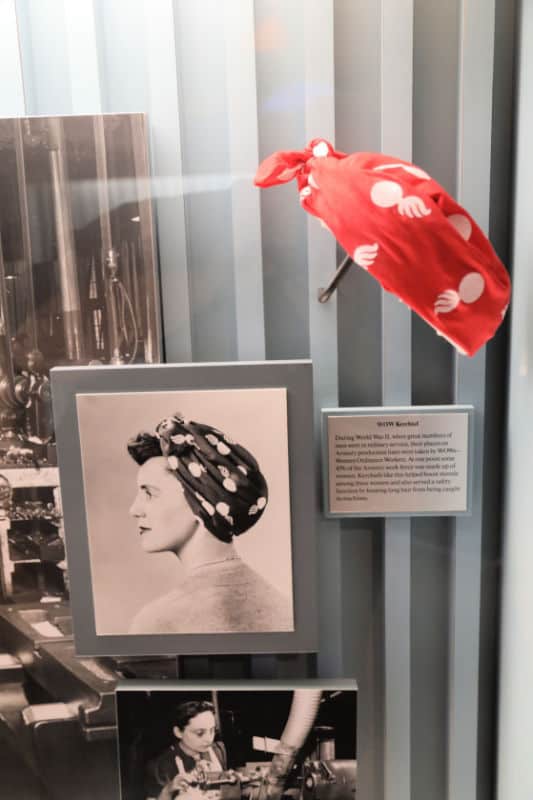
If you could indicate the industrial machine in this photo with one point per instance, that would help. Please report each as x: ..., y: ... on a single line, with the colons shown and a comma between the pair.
x: 316, y: 776
x: 314, y: 780
x: 301, y: 765
x: 57, y: 710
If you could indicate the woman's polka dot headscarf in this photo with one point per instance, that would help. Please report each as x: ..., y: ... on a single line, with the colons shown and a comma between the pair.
x: 222, y: 481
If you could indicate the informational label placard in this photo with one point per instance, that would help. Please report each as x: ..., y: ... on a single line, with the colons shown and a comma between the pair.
x: 398, y: 463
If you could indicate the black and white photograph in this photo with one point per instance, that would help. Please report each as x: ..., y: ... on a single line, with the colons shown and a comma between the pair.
x: 234, y: 742
x: 78, y: 286
x: 189, y: 493
x: 188, y: 511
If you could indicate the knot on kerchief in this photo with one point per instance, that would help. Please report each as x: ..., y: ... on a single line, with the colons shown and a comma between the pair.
x: 283, y: 166
x: 397, y: 223
x: 221, y: 479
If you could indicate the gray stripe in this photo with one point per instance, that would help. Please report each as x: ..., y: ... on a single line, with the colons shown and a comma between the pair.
x: 281, y: 114
x: 435, y: 89
x: 473, y: 182
x: 358, y: 117
x: 430, y: 576
x: 321, y: 249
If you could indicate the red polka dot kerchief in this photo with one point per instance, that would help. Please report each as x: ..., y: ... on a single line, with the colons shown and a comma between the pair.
x: 400, y: 225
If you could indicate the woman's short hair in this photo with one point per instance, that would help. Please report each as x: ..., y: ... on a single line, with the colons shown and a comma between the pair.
x: 190, y: 709
x: 221, y: 479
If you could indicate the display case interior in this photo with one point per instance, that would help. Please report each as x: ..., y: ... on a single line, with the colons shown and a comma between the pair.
x: 77, y: 270
x: 32, y: 563
x: 77, y: 286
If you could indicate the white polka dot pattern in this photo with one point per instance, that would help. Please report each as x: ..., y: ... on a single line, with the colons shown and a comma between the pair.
x: 321, y: 149
x: 195, y: 469
x: 410, y: 168
x: 412, y: 207
x: 462, y: 225
x: 229, y: 484
x: 220, y: 479
x: 386, y: 194
x: 208, y: 507
x: 471, y: 287
x: 365, y: 255
x: 446, y: 302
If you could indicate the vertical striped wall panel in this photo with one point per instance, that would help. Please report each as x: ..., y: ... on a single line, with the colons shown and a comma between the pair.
x: 206, y: 165
x: 435, y: 103
x: 397, y: 20
x: 320, y: 121
x: 358, y: 127
x: 165, y: 112
x: 476, y: 49
x: 280, y: 65
x: 241, y: 83
x: 405, y: 604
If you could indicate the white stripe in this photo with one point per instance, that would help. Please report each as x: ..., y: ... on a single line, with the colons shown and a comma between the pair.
x: 12, y: 95
x: 241, y: 90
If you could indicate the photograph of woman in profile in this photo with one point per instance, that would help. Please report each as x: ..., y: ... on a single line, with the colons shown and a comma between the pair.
x: 196, y: 491
x: 175, y: 771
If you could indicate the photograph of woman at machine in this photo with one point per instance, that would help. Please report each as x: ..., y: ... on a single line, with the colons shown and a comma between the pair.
x: 241, y: 743
x: 77, y: 287
x: 201, y: 538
